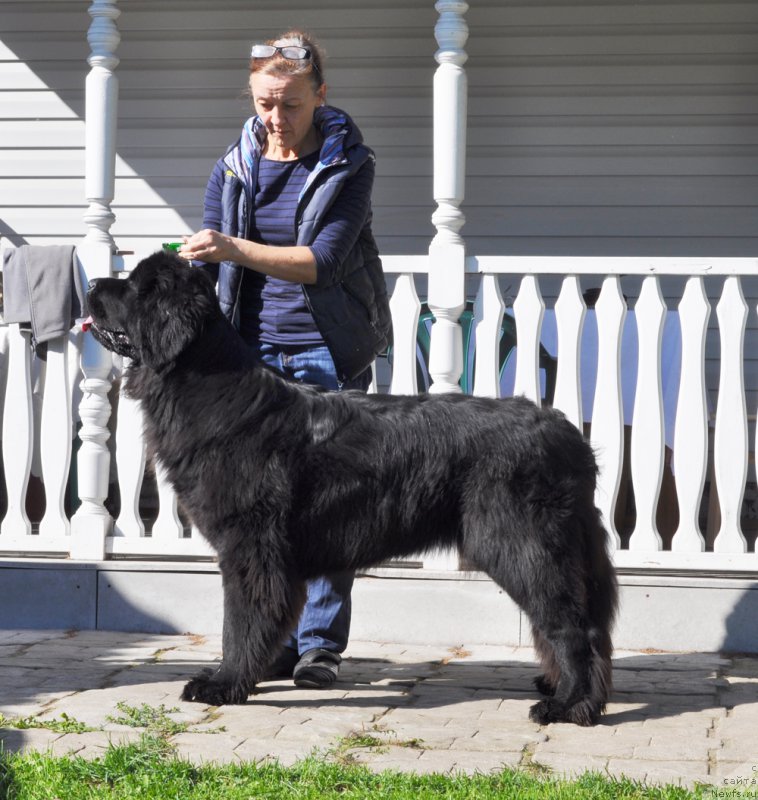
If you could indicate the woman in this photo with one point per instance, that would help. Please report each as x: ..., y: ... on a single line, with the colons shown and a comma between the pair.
x: 287, y: 236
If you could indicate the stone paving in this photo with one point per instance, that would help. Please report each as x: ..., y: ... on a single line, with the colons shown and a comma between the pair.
x: 674, y: 718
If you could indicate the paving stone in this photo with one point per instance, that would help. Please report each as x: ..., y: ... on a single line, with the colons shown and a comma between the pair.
x: 570, y: 765
x: 286, y: 753
x: 22, y: 705
x: 433, y: 738
x: 728, y: 774
x: 678, y: 773
x: 513, y: 740
x: 465, y: 707
x: 684, y: 748
x: 25, y: 741
x: 385, y: 757
x: 470, y: 763
x: 315, y: 733
x: 570, y: 740
x: 205, y: 748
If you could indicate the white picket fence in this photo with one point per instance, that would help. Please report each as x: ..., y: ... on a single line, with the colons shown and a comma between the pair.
x: 50, y: 405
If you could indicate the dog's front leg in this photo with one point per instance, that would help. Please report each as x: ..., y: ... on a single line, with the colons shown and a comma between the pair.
x: 256, y: 622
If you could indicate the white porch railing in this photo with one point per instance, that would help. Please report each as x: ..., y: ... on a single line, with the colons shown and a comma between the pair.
x: 693, y: 545
x: 66, y: 399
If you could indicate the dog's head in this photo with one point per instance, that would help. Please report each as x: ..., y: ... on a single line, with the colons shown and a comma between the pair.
x: 155, y: 313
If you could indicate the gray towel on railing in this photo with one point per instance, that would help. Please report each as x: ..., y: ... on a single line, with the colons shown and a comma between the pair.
x: 42, y: 287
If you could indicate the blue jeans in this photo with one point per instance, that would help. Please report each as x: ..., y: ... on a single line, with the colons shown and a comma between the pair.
x: 325, y: 621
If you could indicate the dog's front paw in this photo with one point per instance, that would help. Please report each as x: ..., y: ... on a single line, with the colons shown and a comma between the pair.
x: 550, y: 710
x: 547, y: 711
x: 214, y: 691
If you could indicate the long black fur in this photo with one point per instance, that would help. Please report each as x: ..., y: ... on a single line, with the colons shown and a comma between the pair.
x: 289, y: 482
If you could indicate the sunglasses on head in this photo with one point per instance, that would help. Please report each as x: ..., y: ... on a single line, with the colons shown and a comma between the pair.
x: 288, y: 51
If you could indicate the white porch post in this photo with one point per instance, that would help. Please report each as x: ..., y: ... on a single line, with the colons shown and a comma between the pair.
x: 92, y: 522
x: 447, y: 296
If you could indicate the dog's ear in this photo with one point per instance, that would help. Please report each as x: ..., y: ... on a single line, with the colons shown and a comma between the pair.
x: 174, y: 302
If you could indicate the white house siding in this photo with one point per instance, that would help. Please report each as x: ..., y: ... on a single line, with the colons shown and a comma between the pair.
x: 182, y: 75
x: 599, y: 128
x: 616, y: 128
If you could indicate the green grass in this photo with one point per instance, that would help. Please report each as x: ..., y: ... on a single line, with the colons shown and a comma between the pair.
x: 62, y: 724
x: 155, y: 720
x: 149, y: 770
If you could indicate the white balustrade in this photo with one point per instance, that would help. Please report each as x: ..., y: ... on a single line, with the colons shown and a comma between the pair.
x: 18, y: 429
x: 130, y: 466
x: 405, y: 307
x: 488, y: 316
x: 55, y: 444
x: 691, y: 438
x: 168, y: 528
x: 647, y: 424
x: 529, y: 309
x: 91, y: 525
x: 730, y: 442
x: 168, y: 525
x: 570, y: 312
x: 608, y: 417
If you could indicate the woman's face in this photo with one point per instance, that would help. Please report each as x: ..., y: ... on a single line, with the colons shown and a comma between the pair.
x: 285, y: 104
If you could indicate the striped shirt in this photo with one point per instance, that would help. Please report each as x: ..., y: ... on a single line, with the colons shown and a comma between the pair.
x: 271, y: 309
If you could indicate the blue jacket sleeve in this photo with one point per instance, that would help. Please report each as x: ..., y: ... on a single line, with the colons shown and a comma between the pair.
x: 212, y: 212
x: 342, y: 225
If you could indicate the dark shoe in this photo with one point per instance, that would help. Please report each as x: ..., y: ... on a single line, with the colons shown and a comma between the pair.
x: 317, y: 669
x: 283, y: 666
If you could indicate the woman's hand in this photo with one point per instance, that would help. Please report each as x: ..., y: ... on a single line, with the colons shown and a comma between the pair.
x: 209, y: 246
x: 296, y: 264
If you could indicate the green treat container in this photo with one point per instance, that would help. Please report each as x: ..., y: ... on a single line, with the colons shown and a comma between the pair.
x: 172, y: 247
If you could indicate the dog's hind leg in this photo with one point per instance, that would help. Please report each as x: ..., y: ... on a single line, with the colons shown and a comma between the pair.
x: 548, y: 680
x: 571, y: 699
x: 572, y: 616
x: 258, y: 613
x: 569, y: 598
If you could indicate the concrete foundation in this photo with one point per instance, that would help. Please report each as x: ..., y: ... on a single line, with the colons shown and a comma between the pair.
x: 658, y: 611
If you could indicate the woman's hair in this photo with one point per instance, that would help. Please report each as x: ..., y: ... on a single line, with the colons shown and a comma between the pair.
x: 279, y: 65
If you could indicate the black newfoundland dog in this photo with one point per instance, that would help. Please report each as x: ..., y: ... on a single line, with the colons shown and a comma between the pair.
x: 289, y: 482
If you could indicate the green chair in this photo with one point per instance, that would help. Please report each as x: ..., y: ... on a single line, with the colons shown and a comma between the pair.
x: 466, y: 320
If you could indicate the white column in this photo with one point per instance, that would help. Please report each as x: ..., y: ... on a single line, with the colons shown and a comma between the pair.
x: 92, y: 522
x: 101, y: 121
x: 447, y: 294
x: 447, y: 297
